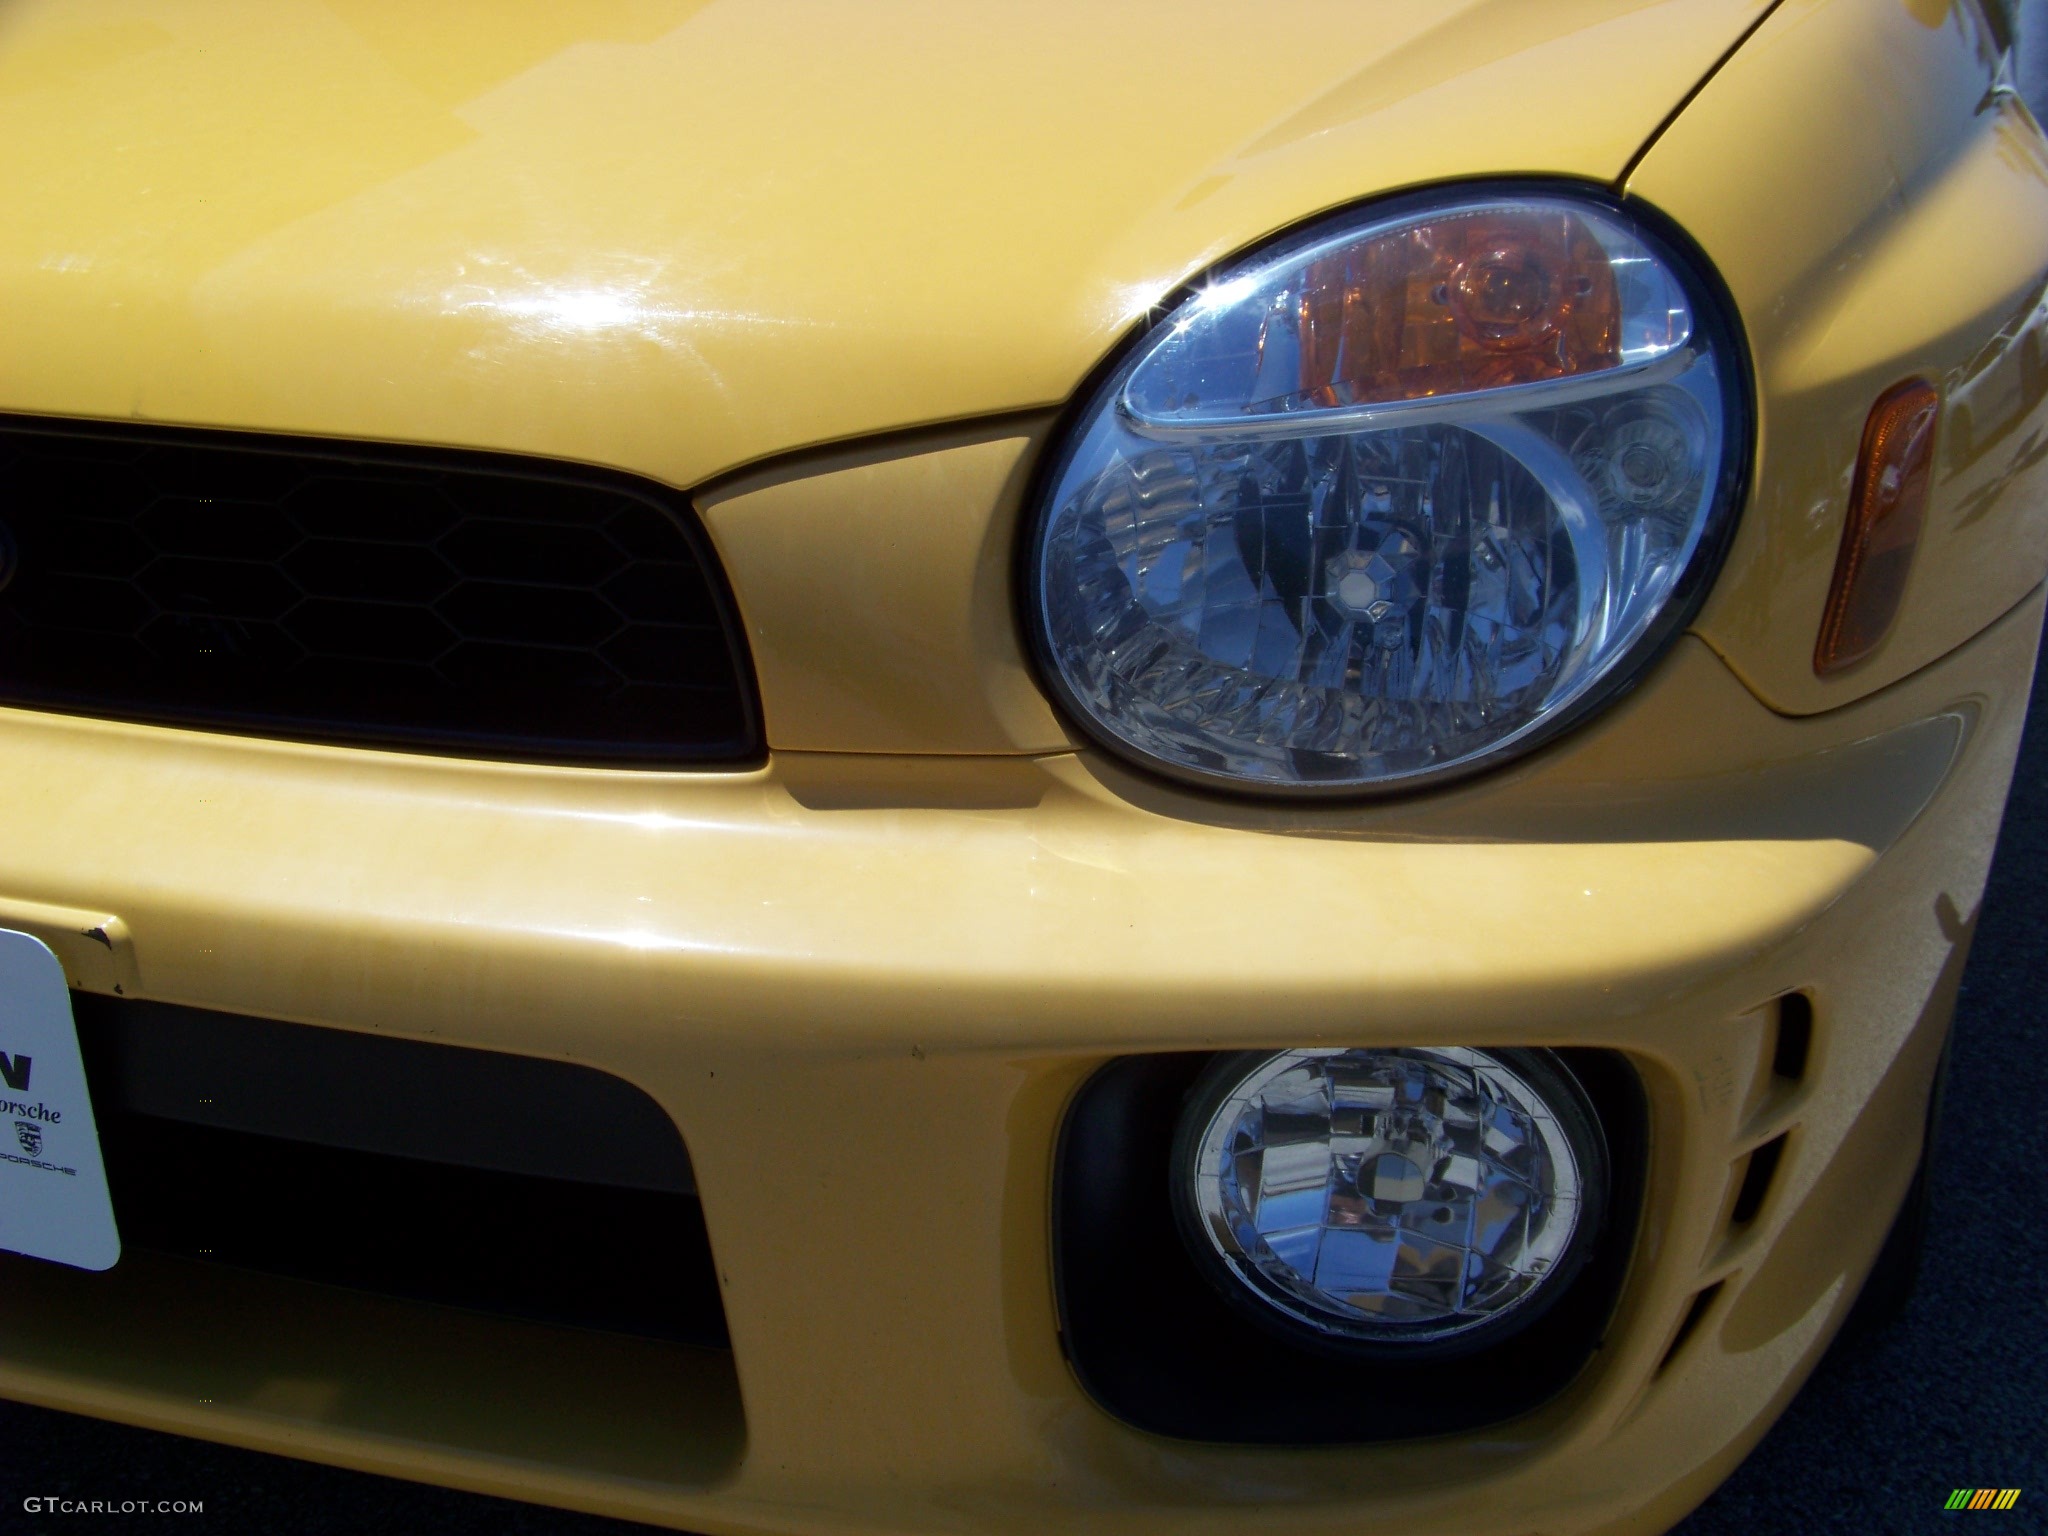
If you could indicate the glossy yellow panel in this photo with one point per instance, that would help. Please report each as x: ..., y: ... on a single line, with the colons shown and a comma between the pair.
x: 678, y: 237
x: 865, y: 987
x: 876, y: 589
x: 690, y: 239
x: 893, y: 895
x: 1879, y: 209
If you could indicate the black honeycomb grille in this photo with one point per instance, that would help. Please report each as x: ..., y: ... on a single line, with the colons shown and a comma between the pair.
x: 477, y: 604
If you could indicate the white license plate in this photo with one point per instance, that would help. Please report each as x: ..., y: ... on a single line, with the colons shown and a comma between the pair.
x: 53, y: 1186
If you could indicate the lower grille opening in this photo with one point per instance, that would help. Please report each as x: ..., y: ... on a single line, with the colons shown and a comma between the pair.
x: 513, y: 1185
x: 308, y: 1369
x: 622, y: 1260
x: 412, y: 1246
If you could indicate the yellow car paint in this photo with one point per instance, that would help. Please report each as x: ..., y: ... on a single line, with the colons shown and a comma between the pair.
x: 927, y: 955
x: 677, y: 238
x: 876, y: 592
x: 1917, y: 252
x: 835, y: 269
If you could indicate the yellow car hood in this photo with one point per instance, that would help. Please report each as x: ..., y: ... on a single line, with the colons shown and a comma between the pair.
x: 677, y: 237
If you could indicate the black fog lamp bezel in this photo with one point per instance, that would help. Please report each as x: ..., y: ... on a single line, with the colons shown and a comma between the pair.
x: 1154, y: 1343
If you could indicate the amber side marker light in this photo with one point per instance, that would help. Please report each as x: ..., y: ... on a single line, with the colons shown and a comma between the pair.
x: 1886, y: 506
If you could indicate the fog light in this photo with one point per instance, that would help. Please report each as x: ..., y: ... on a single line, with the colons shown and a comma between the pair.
x: 1413, y: 1198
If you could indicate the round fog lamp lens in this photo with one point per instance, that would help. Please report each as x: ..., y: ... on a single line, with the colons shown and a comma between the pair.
x: 1390, y: 1198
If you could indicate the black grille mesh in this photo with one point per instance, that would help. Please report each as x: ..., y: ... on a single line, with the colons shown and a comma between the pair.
x: 323, y: 591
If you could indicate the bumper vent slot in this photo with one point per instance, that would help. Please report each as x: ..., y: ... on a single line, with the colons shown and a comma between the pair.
x: 1794, y: 1041
x: 477, y: 604
x: 1702, y: 1304
x: 1757, y: 1172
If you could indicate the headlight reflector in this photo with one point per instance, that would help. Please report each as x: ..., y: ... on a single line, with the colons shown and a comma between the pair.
x: 1395, y: 500
x: 1392, y: 1197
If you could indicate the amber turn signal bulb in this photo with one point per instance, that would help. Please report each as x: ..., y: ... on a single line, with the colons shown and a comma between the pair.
x: 1887, y: 504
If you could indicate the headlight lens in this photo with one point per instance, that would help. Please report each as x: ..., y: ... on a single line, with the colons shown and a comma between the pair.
x: 1392, y: 1197
x: 1401, y: 498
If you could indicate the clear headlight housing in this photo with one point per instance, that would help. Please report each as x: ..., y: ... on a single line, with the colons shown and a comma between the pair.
x: 1399, y: 1197
x: 1396, y: 499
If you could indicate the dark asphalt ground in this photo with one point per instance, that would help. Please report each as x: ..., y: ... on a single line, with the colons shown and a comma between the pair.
x: 1953, y: 1396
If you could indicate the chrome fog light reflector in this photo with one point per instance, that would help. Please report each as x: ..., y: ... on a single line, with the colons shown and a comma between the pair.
x: 1391, y: 1199
x: 1393, y: 499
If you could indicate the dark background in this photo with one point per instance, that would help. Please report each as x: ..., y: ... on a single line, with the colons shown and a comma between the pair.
x: 1953, y: 1396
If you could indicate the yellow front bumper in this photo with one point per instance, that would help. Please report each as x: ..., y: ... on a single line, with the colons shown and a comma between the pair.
x: 866, y: 988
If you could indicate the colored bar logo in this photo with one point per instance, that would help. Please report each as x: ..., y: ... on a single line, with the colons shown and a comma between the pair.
x: 1983, y: 1498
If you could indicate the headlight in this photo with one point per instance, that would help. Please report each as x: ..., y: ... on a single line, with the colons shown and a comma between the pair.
x: 1391, y: 1198
x: 1398, y: 498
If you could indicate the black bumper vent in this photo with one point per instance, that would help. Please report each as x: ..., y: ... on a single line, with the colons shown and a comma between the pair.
x: 478, y: 604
